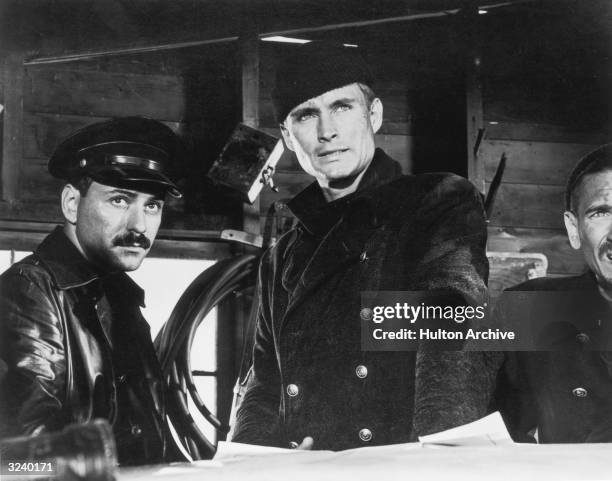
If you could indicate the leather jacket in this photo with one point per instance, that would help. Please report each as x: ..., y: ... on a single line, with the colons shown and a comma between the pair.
x: 73, y: 347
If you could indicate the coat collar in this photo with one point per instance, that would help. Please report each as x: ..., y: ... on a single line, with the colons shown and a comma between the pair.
x: 318, y: 216
x: 343, y: 229
x: 69, y: 269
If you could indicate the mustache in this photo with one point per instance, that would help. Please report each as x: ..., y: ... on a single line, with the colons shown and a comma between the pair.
x: 132, y: 239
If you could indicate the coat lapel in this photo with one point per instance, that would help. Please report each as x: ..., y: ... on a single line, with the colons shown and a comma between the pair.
x: 347, y: 242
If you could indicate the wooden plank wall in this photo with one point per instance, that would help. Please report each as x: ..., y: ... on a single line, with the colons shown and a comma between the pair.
x: 173, y: 87
x: 546, y: 104
x: 62, y: 98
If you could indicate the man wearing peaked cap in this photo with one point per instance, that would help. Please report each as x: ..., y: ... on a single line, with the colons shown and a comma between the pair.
x: 363, y: 226
x: 73, y: 339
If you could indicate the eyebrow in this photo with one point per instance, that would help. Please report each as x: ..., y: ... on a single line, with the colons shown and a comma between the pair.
x: 343, y: 100
x: 132, y: 194
x: 313, y: 110
x: 129, y: 193
x: 598, y: 206
x: 303, y: 111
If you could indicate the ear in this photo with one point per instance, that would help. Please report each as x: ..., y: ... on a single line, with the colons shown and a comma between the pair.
x: 571, y: 225
x: 70, y: 203
x: 376, y: 114
x: 287, y: 137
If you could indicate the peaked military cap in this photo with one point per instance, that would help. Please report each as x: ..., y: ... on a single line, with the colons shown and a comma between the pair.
x: 122, y: 151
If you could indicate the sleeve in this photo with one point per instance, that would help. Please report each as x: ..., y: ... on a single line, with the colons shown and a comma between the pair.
x: 452, y: 387
x: 257, y: 419
x: 512, y: 396
x: 32, y: 378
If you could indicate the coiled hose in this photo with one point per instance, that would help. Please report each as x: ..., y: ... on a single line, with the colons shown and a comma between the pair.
x: 173, y: 347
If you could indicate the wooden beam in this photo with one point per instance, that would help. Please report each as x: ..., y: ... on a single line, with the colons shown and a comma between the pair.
x: 378, y: 21
x: 12, y: 124
x: 137, y: 49
x: 249, y: 50
x: 548, y: 163
x: 124, y: 51
x: 473, y: 100
x: 249, y: 63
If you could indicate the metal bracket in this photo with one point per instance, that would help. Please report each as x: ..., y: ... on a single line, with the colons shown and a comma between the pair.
x: 242, y: 237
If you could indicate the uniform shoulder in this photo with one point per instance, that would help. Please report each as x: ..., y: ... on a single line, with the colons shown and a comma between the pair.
x: 29, y: 269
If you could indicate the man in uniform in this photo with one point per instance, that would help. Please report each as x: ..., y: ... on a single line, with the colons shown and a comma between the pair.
x: 560, y: 385
x: 74, y: 345
x: 363, y: 226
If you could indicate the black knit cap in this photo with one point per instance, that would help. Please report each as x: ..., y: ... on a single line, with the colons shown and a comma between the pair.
x: 313, y: 69
x: 598, y: 160
x: 129, y: 152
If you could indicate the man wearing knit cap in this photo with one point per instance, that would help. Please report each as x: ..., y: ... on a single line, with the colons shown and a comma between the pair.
x: 73, y: 343
x: 562, y: 386
x: 363, y: 226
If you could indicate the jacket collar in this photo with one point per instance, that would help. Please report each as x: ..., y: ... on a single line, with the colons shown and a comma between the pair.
x: 344, y: 230
x: 69, y: 269
x: 318, y: 216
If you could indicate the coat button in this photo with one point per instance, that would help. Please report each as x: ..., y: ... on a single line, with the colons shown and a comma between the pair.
x: 293, y: 445
x: 583, y: 338
x: 580, y: 392
x: 365, y: 435
x: 364, y: 256
x: 292, y: 390
x: 361, y: 371
x: 136, y: 430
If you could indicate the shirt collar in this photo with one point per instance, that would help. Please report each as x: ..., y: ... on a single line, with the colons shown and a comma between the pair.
x: 317, y: 215
x: 69, y: 269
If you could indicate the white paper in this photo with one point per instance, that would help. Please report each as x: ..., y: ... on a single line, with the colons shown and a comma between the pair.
x: 227, y: 450
x: 487, y: 431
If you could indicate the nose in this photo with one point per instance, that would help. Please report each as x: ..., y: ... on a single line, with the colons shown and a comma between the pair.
x: 326, y: 127
x: 137, y: 220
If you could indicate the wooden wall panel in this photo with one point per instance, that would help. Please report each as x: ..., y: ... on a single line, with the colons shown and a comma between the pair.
x: 528, y: 205
x: 12, y: 125
x: 61, y: 98
x: 536, y: 132
x: 532, y: 162
x: 37, y: 185
x: 43, y: 132
x: 31, y: 211
x: 77, y: 92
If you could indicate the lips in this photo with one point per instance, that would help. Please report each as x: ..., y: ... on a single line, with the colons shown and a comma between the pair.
x: 331, y: 153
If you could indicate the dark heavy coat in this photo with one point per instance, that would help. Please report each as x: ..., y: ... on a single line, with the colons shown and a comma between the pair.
x: 395, y: 233
x: 565, y: 392
x: 74, y: 347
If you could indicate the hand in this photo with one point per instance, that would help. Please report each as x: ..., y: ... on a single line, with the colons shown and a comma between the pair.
x: 306, y: 444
